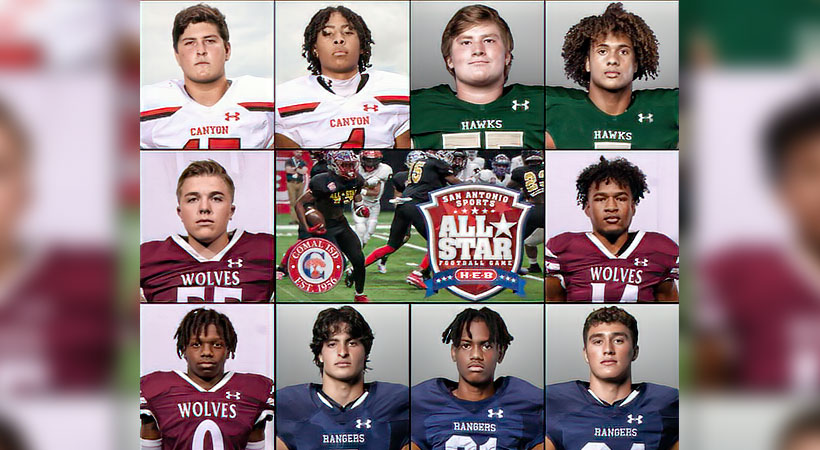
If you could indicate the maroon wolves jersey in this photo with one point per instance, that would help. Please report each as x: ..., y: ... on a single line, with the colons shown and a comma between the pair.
x: 590, y: 272
x: 172, y: 271
x: 191, y: 418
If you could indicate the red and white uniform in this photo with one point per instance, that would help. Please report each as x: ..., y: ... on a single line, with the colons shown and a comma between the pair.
x: 314, y: 117
x: 366, y: 226
x: 192, y: 418
x: 171, y: 271
x: 590, y: 272
x: 242, y: 118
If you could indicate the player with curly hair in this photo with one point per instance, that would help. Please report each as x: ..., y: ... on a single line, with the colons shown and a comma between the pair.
x: 343, y: 408
x: 342, y: 104
x: 604, y: 54
x: 611, y: 264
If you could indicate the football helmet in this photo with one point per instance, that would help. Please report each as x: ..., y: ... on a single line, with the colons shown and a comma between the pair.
x: 343, y: 163
x: 413, y: 156
x: 370, y: 159
x: 532, y: 157
x: 471, y: 154
x: 459, y: 161
x: 501, y: 165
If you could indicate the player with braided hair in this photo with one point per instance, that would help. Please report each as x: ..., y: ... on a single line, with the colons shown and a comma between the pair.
x: 478, y: 340
x: 205, y: 403
x: 604, y: 54
x: 611, y: 263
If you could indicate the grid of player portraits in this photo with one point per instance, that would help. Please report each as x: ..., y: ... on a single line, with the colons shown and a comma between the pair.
x: 570, y: 106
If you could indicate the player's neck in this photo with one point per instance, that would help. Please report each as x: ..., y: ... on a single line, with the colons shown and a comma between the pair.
x: 343, y: 392
x: 472, y: 393
x: 479, y: 95
x: 613, y: 247
x: 611, y: 102
x: 209, y: 250
x: 207, y: 94
x: 341, y: 76
x: 611, y: 391
x: 203, y: 383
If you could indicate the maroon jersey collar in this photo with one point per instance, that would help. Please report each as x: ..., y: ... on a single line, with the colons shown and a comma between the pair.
x: 218, y: 257
x: 217, y: 386
x: 609, y: 254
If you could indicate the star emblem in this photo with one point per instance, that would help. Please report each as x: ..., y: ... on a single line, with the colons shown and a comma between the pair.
x: 502, y: 227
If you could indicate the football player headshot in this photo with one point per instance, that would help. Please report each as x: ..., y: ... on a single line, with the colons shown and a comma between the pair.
x: 609, y: 411
x: 320, y: 211
x: 478, y: 410
x: 204, y: 406
x: 341, y: 102
x: 205, y: 109
x: 612, y: 263
x: 343, y: 408
x: 210, y: 263
x: 597, y: 104
x: 484, y: 110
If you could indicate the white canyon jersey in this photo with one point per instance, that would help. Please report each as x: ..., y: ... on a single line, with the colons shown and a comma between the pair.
x: 312, y: 116
x: 382, y: 172
x: 242, y: 118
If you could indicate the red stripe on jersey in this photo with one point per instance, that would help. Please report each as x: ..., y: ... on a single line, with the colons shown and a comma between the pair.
x: 297, y: 109
x: 158, y: 113
x: 257, y: 106
x: 393, y: 99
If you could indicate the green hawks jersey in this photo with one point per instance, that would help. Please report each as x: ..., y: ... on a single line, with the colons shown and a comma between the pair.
x: 439, y: 120
x: 650, y: 121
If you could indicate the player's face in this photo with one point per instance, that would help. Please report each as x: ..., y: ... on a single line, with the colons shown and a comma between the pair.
x: 206, y: 354
x: 476, y: 357
x: 478, y: 55
x: 610, y: 209
x: 205, y: 207
x: 338, y: 48
x: 611, y: 63
x: 201, y: 53
x: 800, y: 187
x: 609, y: 352
x: 343, y: 358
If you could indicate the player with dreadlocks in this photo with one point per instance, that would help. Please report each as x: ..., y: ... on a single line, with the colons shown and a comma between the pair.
x: 478, y: 341
x: 337, y: 408
x: 375, y: 104
x: 181, y: 409
x: 611, y: 264
x: 604, y: 54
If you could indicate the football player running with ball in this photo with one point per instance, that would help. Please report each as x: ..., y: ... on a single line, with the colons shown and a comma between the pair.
x: 330, y: 193
x: 375, y: 174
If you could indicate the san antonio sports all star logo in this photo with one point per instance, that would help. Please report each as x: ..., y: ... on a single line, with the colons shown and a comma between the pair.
x: 315, y: 265
x: 475, y: 240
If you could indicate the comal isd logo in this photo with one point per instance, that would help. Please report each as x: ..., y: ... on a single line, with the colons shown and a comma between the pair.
x: 475, y: 240
x: 315, y: 265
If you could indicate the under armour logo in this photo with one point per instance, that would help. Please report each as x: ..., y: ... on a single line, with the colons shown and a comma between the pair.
x: 235, y: 396
x: 647, y: 117
x: 642, y: 262
x: 237, y: 263
x: 516, y: 105
x: 499, y: 414
x: 365, y: 424
x: 229, y: 116
x: 638, y: 419
x: 367, y: 107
